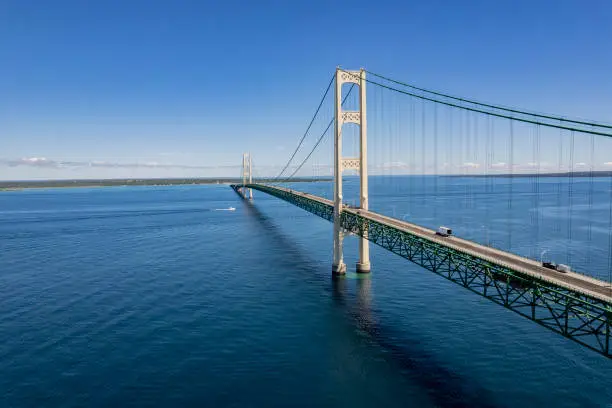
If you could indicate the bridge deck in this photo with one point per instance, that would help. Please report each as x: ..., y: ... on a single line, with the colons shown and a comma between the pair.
x: 576, y: 306
x: 572, y: 281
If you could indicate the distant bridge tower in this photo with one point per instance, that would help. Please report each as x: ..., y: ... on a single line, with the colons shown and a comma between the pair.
x: 350, y: 163
x: 247, y: 173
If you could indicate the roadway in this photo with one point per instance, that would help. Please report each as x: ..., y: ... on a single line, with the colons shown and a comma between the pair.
x: 569, y: 280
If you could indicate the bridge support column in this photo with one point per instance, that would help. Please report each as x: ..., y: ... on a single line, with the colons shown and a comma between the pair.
x: 338, y: 266
x: 363, y: 266
x: 247, y: 175
x: 341, y: 164
x: 250, y: 176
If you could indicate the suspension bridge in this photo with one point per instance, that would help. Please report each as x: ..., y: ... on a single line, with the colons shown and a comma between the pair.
x: 536, y: 183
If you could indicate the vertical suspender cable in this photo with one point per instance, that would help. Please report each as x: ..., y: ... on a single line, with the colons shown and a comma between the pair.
x: 571, y: 199
x: 383, y: 152
x: 448, y: 168
x: 451, y: 151
x: 468, y: 162
x: 559, y: 182
x: 397, y: 158
x: 511, y: 186
x: 538, y: 188
x: 590, y: 203
x: 610, y: 235
x: 412, y: 154
x: 493, y: 180
x: 465, y: 159
x: 424, y: 183
x: 400, y: 148
x: 435, y: 155
x: 487, y: 179
x: 476, y: 147
x: 532, y: 181
x: 462, y: 161
x: 389, y: 145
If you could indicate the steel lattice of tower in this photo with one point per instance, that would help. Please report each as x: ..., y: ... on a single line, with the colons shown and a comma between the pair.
x: 350, y: 163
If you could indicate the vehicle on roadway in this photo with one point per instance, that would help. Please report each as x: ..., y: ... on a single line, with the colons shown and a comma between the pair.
x: 563, y: 268
x: 444, y: 231
x: 557, y: 267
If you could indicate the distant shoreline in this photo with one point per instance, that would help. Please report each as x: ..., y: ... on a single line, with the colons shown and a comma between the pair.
x: 600, y: 173
x: 24, y: 185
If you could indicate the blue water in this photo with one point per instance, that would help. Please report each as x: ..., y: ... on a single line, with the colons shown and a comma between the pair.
x: 149, y: 296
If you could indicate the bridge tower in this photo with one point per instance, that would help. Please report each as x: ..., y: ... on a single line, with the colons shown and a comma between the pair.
x: 247, y: 173
x: 350, y: 163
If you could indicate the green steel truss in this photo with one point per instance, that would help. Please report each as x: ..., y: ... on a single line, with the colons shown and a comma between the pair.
x: 582, y: 318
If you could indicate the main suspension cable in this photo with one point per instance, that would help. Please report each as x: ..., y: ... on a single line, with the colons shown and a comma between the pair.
x: 318, y: 141
x: 308, y: 128
x: 502, y: 108
x: 499, y: 115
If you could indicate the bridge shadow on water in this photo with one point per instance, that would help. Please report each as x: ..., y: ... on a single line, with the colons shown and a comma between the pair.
x: 445, y: 388
x: 299, y: 262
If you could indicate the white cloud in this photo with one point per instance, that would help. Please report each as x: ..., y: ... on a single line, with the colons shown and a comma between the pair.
x: 393, y: 165
x: 499, y: 165
x: 470, y: 165
x: 607, y: 164
x: 57, y: 164
x: 532, y: 165
x: 33, y: 161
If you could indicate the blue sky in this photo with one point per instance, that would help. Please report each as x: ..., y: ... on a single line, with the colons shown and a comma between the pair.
x: 182, y: 88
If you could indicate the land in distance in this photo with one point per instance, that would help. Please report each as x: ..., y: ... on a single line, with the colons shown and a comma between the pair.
x: 20, y: 185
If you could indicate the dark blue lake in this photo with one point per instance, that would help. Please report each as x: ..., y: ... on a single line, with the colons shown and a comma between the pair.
x: 153, y: 296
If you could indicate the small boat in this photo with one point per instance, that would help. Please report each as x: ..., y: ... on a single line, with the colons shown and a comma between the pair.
x: 226, y: 209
